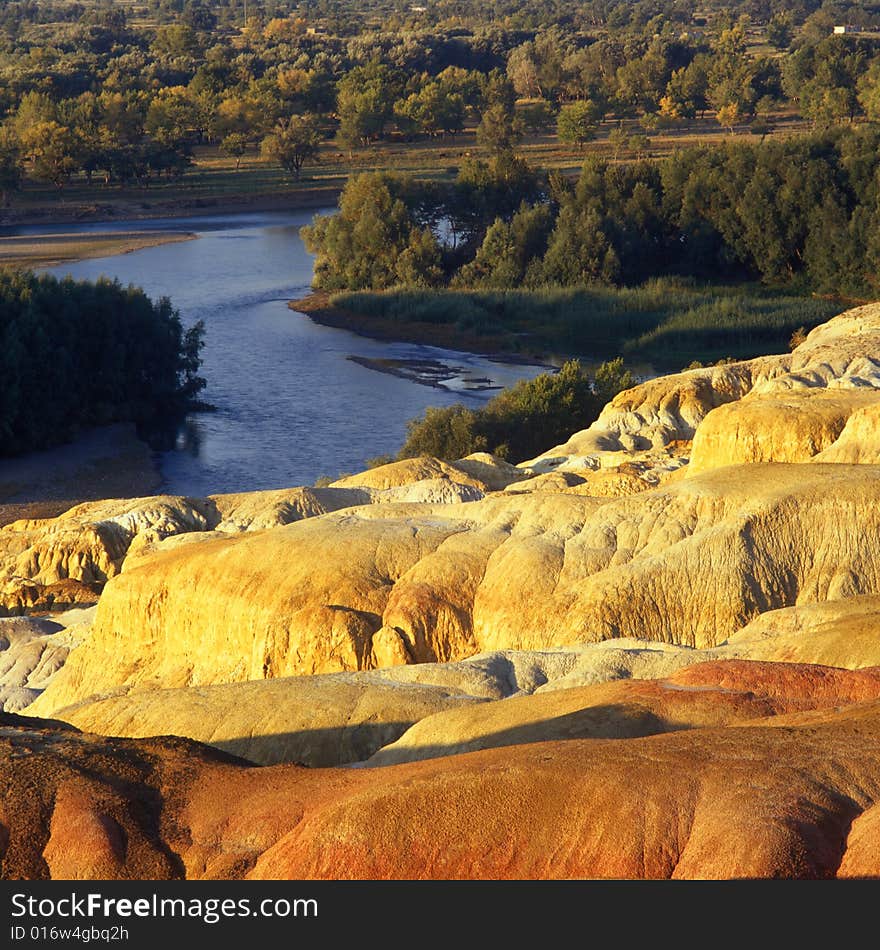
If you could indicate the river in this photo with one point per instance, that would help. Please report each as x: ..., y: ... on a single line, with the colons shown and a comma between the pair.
x: 291, y: 403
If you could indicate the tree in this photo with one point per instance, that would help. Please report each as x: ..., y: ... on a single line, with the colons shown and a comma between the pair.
x: 433, y: 109
x: 519, y: 422
x: 508, y: 249
x: 374, y: 241
x: 10, y: 163
x: 197, y: 16
x: 522, y: 71
x: 448, y: 432
x: 869, y: 92
x: 618, y: 138
x: 780, y: 30
x: 576, y: 123
x: 115, y: 354
x: 685, y: 95
x: 50, y: 147
x: 35, y: 108
x: 538, y: 117
x: 173, y: 116
x: 365, y: 102
x: 294, y: 142
x: 235, y: 145
x: 728, y: 116
x: 499, y: 130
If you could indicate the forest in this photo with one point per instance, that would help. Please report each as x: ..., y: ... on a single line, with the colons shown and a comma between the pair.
x: 129, y: 94
x: 655, y: 179
x: 798, y: 210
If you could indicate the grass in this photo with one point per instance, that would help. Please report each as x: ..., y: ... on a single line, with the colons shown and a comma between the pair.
x: 667, y: 321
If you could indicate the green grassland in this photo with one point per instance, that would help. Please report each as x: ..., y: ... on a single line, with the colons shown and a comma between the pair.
x: 667, y: 322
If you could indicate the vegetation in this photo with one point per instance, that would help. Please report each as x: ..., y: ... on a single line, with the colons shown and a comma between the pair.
x: 668, y: 322
x: 79, y: 354
x: 522, y: 421
x: 800, y: 211
x: 565, y: 153
x: 122, y: 94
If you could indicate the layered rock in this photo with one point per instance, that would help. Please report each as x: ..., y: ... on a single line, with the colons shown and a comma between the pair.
x: 834, y: 633
x: 335, y: 719
x: 742, y: 407
x: 688, y: 563
x: 314, y: 721
x: 794, y: 425
x: 718, y: 693
x: 756, y: 801
x: 480, y: 470
x: 86, y: 545
x: 53, y: 563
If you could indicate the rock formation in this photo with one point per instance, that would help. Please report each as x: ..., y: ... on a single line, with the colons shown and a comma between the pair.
x: 694, y: 580
x: 709, y: 694
x: 688, y: 563
x: 795, y: 800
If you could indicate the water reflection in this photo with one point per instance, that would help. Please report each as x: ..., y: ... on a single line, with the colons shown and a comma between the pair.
x: 294, y: 400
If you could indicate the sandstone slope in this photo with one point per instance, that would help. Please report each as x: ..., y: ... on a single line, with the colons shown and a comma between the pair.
x: 757, y: 801
x: 765, y: 409
x: 708, y: 694
x: 688, y: 563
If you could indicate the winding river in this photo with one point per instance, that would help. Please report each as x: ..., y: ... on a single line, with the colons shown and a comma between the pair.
x: 294, y: 400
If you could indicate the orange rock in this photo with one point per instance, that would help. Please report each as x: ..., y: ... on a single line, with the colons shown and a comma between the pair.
x: 797, y: 800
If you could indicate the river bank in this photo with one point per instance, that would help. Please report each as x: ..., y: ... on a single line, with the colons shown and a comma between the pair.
x: 51, y: 250
x: 105, y: 462
x: 143, y: 207
x: 318, y: 307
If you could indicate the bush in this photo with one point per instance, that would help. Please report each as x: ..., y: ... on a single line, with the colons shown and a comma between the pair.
x: 78, y: 354
x: 522, y: 421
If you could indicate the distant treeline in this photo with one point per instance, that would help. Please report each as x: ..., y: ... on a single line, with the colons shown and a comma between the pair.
x: 79, y: 354
x: 121, y: 95
x: 801, y: 212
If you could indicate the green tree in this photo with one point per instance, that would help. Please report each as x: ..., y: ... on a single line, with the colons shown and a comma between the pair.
x: 365, y: 102
x: 780, y: 30
x: 499, y: 129
x: 508, y: 249
x: 576, y: 123
x: 537, y: 117
x: 869, y: 92
x: 374, y: 241
x: 519, y: 422
x: 235, y: 145
x: 294, y: 142
x: 10, y: 163
x: 174, y: 116
x: 50, y: 148
x: 449, y: 432
x: 115, y: 356
x: 433, y: 110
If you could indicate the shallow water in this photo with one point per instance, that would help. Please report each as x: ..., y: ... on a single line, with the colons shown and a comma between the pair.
x: 291, y: 403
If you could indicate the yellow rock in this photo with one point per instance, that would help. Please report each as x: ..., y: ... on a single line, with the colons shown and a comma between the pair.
x: 654, y: 422
x: 834, y: 632
x: 313, y: 720
x: 395, y: 474
x: 688, y: 563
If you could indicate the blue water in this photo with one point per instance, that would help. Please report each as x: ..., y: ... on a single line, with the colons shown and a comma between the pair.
x: 291, y: 405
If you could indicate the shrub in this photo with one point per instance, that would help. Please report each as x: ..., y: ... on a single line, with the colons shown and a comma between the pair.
x: 522, y: 421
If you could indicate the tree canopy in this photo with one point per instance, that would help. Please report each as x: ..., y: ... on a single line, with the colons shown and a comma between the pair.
x: 79, y: 354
